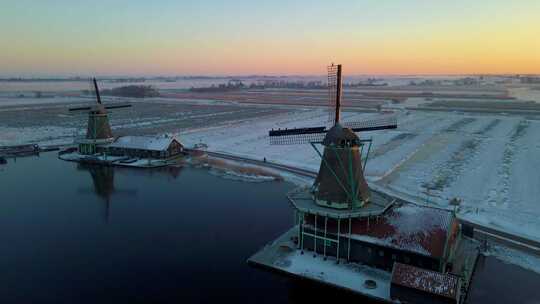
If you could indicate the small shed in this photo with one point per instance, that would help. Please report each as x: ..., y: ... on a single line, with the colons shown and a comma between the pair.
x: 416, y: 285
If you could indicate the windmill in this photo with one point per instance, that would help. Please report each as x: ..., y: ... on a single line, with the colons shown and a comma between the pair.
x: 98, y: 131
x: 340, y: 182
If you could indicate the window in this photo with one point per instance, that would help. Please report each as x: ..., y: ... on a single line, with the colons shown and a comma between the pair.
x: 381, y: 253
x: 394, y: 257
x: 406, y: 259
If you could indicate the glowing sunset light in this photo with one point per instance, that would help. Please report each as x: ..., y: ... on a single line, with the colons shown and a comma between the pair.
x: 278, y: 37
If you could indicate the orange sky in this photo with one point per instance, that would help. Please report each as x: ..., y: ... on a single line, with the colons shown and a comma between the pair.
x: 278, y: 37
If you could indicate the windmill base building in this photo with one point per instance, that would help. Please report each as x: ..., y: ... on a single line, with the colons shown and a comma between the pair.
x: 133, y: 151
x: 389, y: 249
x: 99, y: 146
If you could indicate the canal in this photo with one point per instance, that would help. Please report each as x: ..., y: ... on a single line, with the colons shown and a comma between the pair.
x: 74, y: 234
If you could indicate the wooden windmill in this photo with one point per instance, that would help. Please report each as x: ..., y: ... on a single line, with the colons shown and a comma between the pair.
x: 340, y: 182
x: 98, y: 130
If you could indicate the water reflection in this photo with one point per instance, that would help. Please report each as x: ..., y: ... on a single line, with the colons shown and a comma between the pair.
x: 104, y: 186
x: 103, y: 181
x: 495, y: 281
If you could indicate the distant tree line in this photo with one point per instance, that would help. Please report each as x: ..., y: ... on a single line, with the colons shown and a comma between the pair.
x: 136, y: 91
x: 232, y: 85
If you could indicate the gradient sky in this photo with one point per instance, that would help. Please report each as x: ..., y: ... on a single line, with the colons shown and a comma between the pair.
x: 61, y: 37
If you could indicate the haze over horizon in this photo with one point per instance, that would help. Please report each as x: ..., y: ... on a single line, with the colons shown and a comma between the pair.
x: 66, y: 38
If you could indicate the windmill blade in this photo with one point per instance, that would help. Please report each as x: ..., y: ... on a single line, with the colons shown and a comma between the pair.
x: 296, y: 131
x: 87, y: 108
x: 379, y: 123
x: 297, y: 139
x: 297, y: 136
x: 98, y: 97
x: 118, y: 106
x: 334, y: 93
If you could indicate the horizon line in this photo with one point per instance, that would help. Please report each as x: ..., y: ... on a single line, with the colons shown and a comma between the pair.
x: 217, y: 76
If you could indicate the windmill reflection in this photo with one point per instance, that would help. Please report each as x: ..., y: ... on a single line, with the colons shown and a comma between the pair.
x: 103, y: 180
x: 104, y: 187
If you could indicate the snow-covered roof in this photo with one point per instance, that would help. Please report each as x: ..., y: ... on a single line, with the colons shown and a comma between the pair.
x: 409, y: 227
x: 152, y: 143
x: 433, y: 282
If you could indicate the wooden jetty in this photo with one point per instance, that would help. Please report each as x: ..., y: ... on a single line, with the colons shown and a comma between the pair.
x: 19, y: 150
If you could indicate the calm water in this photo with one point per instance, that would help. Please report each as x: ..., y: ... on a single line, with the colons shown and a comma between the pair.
x: 101, y: 235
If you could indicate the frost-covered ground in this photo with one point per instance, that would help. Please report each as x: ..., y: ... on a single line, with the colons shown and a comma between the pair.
x: 48, y: 120
x: 489, y: 161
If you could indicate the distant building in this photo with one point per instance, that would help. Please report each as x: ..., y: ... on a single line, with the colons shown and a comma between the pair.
x: 530, y: 79
x: 100, y: 140
x: 466, y: 81
x: 100, y: 146
x: 158, y: 147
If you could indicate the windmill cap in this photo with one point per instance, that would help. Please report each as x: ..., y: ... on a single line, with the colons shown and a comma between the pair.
x: 337, y: 135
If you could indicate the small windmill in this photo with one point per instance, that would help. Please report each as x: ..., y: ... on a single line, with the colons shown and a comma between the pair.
x: 340, y: 182
x: 98, y: 130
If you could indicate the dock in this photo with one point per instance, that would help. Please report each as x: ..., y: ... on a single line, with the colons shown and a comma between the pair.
x: 25, y: 150
x: 121, y: 161
x: 282, y: 256
x: 19, y: 150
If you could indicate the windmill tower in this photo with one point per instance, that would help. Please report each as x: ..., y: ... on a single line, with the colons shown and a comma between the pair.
x: 98, y: 131
x: 340, y: 182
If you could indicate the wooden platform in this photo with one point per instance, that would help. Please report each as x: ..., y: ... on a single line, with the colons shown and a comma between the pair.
x: 283, y: 257
x: 121, y: 161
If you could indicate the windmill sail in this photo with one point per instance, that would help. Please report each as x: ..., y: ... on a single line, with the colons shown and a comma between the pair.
x: 334, y: 93
x: 317, y: 134
x: 98, y: 97
x: 86, y: 108
x: 379, y: 123
x: 118, y: 106
x: 297, y: 136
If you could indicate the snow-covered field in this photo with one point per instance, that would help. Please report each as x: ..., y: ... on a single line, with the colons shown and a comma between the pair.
x: 488, y: 161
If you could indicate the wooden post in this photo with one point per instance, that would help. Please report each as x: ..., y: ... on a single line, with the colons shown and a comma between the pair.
x: 302, y: 234
x: 325, y: 230
x: 338, y: 230
x: 315, y: 238
x: 349, y: 246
